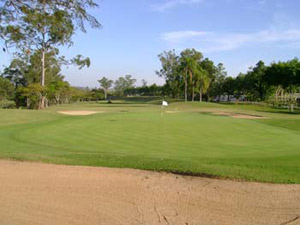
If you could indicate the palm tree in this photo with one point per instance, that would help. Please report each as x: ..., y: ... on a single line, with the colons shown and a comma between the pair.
x: 185, y: 68
x: 188, y: 66
x: 202, y: 81
x: 105, y: 83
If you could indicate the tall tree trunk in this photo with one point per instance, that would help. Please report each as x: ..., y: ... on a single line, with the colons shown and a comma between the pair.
x: 43, y: 98
x: 57, y: 99
x: 200, y: 95
x: 185, y: 88
x: 105, y: 94
x: 193, y: 87
x: 28, y: 103
x: 193, y: 93
x: 43, y: 68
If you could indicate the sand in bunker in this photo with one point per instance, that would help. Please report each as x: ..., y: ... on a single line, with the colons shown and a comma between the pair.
x: 239, y: 115
x: 78, y: 113
x: 32, y: 193
x: 173, y: 111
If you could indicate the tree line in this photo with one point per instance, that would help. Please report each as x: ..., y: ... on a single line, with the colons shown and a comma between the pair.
x: 125, y: 86
x: 189, y: 75
x: 37, y: 29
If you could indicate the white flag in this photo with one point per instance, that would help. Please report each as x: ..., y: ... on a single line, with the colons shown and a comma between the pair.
x: 164, y: 103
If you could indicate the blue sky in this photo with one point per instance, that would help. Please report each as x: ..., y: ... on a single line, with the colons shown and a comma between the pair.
x: 237, y: 33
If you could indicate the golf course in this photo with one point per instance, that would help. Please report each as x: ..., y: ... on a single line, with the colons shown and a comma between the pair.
x: 152, y: 112
x: 227, y: 141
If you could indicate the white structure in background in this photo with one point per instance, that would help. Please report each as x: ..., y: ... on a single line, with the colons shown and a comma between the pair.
x: 164, y: 103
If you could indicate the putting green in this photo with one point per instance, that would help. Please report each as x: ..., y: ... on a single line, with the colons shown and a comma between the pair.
x: 139, y: 136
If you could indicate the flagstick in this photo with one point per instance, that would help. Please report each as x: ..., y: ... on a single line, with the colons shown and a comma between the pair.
x: 164, y: 103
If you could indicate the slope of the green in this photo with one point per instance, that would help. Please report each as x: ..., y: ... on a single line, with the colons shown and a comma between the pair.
x: 181, y: 139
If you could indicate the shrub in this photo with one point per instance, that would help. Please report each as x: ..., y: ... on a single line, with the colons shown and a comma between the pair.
x: 6, y: 104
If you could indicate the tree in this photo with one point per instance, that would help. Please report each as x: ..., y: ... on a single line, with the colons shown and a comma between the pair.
x: 105, y: 83
x: 229, y: 87
x: 144, y: 83
x: 180, y: 72
x: 255, y: 80
x: 202, y: 82
x: 170, y: 71
x: 57, y: 90
x: 33, y: 93
x: 6, y: 89
x: 15, y: 72
x: 210, y: 67
x: 285, y: 74
x: 241, y: 86
x: 189, y: 61
x: 97, y: 94
x: 52, y: 67
x: 220, y: 74
x: 22, y: 72
x: 42, y: 25
x: 124, y: 83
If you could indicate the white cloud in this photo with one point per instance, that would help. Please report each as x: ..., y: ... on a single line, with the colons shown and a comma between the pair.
x: 180, y: 36
x: 169, y: 4
x: 213, y: 42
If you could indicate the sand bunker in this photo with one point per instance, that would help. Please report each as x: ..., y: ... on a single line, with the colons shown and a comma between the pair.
x: 32, y: 193
x: 245, y: 116
x: 78, y: 113
x: 172, y: 111
x: 238, y: 115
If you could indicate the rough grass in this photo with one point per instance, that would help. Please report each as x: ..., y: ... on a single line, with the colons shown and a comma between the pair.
x: 135, y: 134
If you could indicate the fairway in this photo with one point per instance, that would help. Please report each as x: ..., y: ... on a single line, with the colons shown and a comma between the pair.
x: 187, y: 138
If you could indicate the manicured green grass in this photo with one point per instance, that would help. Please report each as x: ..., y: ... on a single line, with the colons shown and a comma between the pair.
x: 134, y: 134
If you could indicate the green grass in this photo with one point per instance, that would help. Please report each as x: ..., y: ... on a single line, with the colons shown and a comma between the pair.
x: 134, y: 134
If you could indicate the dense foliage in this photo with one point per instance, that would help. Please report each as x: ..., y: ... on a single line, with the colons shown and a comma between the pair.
x: 190, y: 75
x: 36, y: 29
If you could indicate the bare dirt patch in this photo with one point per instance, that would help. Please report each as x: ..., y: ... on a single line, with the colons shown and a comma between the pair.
x: 32, y: 193
x: 239, y: 115
x: 79, y: 113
